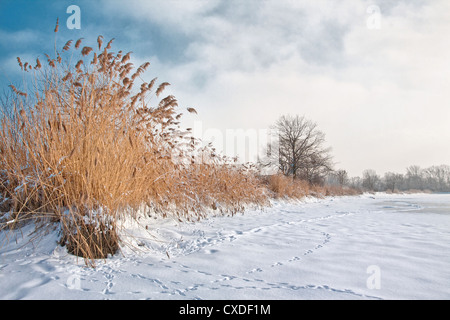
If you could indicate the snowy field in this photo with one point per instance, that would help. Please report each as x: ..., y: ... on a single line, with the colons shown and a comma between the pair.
x: 364, y: 247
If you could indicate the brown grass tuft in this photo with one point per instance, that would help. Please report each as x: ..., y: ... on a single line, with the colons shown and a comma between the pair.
x: 86, y: 50
x: 57, y: 26
x: 67, y: 45
x: 38, y: 64
x: 100, y: 42
x: 286, y: 187
x: 78, y: 43
x: 192, y: 110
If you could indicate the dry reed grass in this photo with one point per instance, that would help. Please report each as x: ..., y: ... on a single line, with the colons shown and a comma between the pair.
x: 334, y: 190
x: 285, y: 187
x: 86, y: 144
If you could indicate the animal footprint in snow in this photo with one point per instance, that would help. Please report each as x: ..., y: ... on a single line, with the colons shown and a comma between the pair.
x: 277, y: 264
x: 108, y: 288
x: 255, y: 270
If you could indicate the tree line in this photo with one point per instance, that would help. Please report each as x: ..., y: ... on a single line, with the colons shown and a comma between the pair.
x: 435, y: 179
x: 299, y: 151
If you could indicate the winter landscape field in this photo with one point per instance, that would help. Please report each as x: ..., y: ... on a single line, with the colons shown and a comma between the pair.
x: 372, y: 246
x: 299, y: 151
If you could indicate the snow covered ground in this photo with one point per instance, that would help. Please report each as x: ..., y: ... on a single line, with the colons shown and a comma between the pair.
x: 363, y: 247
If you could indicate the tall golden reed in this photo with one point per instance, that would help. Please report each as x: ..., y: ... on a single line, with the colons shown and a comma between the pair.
x: 88, y: 142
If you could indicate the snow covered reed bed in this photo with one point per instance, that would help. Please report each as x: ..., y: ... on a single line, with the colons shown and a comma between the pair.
x: 358, y: 247
x: 86, y: 135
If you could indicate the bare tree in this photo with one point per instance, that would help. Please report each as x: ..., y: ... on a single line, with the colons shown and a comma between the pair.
x: 355, y: 183
x: 393, y: 180
x: 437, y: 177
x: 338, y: 177
x: 414, y: 177
x: 301, y: 152
x: 370, y: 179
x: 342, y: 177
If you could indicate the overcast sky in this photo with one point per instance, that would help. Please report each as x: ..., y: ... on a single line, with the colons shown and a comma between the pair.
x: 374, y: 75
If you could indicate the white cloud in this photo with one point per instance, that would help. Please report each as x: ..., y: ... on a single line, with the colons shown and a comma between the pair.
x: 379, y: 95
x: 21, y: 38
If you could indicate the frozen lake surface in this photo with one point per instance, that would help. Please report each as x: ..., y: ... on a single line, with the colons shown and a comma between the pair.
x: 361, y: 247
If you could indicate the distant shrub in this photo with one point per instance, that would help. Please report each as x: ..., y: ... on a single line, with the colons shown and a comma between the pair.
x: 286, y: 187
